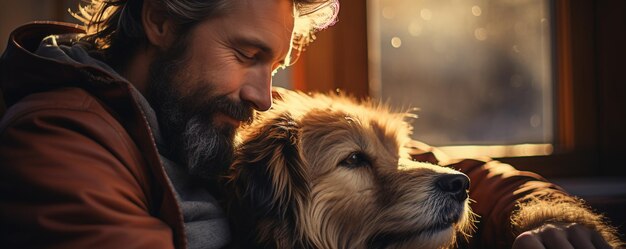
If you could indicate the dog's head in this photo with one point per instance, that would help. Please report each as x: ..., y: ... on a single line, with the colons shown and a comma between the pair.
x: 321, y: 171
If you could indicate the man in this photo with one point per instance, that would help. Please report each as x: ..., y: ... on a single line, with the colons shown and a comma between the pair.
x: 110, y: 137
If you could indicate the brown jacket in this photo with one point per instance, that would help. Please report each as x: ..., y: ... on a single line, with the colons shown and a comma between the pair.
x: 79, y: 167
x: 495, y: 190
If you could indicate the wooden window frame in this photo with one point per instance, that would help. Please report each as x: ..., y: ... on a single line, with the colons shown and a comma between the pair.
x: 588, y: 134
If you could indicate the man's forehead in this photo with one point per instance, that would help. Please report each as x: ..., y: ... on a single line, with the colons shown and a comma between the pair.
x: 277, y: 15
x: 266, y: 24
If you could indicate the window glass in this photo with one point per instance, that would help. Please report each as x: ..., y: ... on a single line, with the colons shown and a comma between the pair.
x: 480, y: 72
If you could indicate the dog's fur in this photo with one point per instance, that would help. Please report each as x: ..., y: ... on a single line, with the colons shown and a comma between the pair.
x: 323, y: 171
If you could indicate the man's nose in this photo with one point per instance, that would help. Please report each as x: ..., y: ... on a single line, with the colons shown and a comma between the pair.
x: 258, y: 94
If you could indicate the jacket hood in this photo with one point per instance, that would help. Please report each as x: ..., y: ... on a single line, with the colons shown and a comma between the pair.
x: 29, y: 64
x: 46, y: 55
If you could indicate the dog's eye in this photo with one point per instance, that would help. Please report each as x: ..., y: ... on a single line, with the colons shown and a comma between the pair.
x: 355, y: 160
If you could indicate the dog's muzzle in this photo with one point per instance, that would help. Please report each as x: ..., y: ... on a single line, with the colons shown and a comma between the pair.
x: 455, y: 185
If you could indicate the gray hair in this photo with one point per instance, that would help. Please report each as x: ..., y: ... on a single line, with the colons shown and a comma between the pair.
x: 114, y: 26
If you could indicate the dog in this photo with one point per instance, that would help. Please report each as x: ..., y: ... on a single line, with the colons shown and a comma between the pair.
x: 327, y: 171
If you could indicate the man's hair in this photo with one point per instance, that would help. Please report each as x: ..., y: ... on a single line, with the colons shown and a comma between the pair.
x: 114, y: 26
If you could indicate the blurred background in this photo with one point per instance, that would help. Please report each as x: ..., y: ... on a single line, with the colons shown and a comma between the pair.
x: 534, y: 83
x: 537, y: 84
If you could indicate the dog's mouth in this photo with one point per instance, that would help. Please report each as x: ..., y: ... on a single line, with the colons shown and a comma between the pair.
x: 386, y: 239
x: 447, y: 218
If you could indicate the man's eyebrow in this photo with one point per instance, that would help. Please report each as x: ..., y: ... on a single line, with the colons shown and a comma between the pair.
x: 254, y: 42
x: 258, y: 43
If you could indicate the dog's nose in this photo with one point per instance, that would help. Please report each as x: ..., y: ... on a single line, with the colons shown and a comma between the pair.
x: 455, y: 184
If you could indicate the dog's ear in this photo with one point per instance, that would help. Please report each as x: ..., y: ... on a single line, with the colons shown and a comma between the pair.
x: 268, y: 181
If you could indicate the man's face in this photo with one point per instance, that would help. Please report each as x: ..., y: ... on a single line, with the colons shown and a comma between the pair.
x: 209, y: 81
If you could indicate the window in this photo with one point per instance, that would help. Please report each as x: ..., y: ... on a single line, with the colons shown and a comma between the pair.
x: 589, y: 91
x: 480, y: 72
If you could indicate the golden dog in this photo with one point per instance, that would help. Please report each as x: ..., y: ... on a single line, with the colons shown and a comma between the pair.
x: 321, y: 171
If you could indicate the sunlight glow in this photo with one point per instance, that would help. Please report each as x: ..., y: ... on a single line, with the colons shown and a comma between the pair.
x: 396, y: 42
x: 497, y: 151
x: 480, y: 34
x: 476, y: 11
x: 535, y: 121
x: 388, y: 12
x: 426, y: 14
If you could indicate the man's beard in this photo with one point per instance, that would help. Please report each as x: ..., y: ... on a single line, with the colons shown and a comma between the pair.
x: 187, y: 123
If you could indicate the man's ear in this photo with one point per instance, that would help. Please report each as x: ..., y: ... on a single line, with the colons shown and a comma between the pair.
x: 158, y: 27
